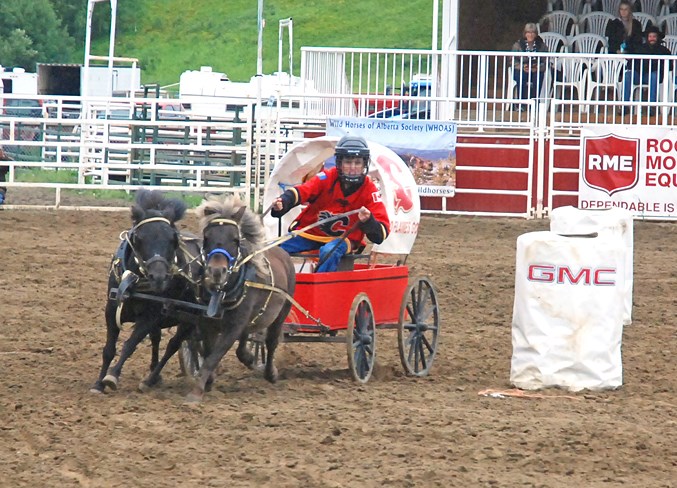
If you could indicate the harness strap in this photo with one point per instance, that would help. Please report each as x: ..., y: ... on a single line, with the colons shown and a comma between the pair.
x: 263, y: 286
x: 272, y: 284
x: 293, y: 233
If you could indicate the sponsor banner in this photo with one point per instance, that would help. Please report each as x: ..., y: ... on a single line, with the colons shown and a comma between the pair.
x: 427, y: 147
x: 633, y: 168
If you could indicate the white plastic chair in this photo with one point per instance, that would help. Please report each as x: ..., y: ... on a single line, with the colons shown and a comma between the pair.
x: 611, y: 6
x: 595, y: 23
x: 669, y: 24
x: 572, y: 6
x: 606, y: 75
x: 556, y: 43
x: 589, y: 43
x: 665, y: 8
x: 651, y: 7
x: 671, y: 43
x: 559, y: 21
x: 570, y: 76
x: 586, y: 7
x: 645, y: 19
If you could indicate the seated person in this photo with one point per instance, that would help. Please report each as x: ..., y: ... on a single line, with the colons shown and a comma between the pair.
x: 332, y: 192
x: 529, y: 71
x: 624, y: 32
x: 646, y: 71
x: 3, y: 175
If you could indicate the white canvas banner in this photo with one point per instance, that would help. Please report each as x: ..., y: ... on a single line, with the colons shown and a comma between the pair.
x: 615, y: 222
x: 568, y: 314
x: 633, y: 168
x: 427, y: 147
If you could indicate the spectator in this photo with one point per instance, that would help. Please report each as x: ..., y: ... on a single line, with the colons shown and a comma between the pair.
x: 3, y: 175
x: 647, y: 71
x: 529, y: 71
x: 624, y: 32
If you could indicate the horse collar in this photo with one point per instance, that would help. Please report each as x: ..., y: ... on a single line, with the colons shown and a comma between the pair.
x: 235, y: 293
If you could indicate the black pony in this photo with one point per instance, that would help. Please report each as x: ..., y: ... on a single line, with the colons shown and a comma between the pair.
x: 156, y: 260
x: 248, y: 288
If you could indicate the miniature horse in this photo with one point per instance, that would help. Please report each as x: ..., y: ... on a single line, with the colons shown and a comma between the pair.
x: 249, y: 287
x: 153, y: 258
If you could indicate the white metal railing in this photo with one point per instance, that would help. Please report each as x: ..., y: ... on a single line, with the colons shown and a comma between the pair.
x: 122, y: 143
x: 378, y: 80
x: 182, y: 151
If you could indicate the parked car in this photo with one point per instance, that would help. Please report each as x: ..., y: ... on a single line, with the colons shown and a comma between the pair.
x: 410, y: 109
x: 23, y: 107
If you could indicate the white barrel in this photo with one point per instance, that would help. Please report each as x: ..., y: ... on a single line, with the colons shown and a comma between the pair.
x: 568, y: 312
x: 615, y: 222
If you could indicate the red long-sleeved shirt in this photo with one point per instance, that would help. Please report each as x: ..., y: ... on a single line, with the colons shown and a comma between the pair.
x: 325, y: 197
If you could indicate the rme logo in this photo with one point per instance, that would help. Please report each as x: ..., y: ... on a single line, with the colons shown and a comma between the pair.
x: 610, y: 163
x: 561, y: 274
x: 602, y: 162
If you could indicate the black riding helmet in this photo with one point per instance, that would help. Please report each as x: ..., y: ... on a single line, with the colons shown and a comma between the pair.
x: 352, y: 146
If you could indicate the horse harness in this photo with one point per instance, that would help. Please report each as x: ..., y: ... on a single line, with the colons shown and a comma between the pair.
x: 238, y: 291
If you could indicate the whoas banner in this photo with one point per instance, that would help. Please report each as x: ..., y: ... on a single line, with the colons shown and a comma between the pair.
x: 427, y: 147
x: 630, y: 168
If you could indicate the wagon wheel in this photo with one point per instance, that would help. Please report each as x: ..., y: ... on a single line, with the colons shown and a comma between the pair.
x: 361, y: 338
x: 191, y: 354
x: 418, y: 328
x: 256, y: 344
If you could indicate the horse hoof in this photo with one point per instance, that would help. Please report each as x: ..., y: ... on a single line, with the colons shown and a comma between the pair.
x: 193, y: 398
x: 272, y: 375
x: 144, y: 388
x: 96, y: 391
x: 111, y: 382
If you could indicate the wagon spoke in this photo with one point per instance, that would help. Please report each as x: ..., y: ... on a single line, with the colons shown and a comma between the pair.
x: 416, y: 353
x: 412, y: 307
x: 424, y: 342
x: 424, y: 362
x: 412, y: 350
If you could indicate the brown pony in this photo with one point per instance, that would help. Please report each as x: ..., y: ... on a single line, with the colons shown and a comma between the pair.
x: 247, y: 287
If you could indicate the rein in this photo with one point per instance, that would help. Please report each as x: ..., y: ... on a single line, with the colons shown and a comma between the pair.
x: 291, y: 234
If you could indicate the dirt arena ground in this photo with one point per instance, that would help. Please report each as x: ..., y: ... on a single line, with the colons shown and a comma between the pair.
x: 316, y: 428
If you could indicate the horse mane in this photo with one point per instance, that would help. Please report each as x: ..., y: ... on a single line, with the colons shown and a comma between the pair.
x: 251, y: 228
x: 154, y: 204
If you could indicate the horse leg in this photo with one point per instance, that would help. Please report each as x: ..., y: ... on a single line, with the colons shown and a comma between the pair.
x: 243, y: 353
x: 108, y: 353
x: 272, y: 341
x: 155, y: 336
x: 182, y: 332
x: 223, y: 342
x: 141, y: 329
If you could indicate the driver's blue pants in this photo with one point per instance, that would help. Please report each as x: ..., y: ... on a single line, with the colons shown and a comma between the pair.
x: 336, y: 250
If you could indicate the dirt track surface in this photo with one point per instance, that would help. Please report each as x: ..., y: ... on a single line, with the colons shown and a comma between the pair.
x: 315, y: 427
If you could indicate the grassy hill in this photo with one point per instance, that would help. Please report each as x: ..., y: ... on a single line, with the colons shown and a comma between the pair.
x: 171, y: 36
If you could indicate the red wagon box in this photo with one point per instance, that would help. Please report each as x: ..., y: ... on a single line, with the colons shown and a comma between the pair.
x: 328, y: 296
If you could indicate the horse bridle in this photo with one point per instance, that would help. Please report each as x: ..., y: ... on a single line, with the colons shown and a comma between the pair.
x: 143, y: 265
x: 233, y: 261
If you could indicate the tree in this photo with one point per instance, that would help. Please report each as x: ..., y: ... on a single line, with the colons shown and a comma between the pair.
x: 31, y: 32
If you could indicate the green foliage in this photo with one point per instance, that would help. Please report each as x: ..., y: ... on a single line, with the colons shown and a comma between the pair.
x: 37, y: 175
x: 30, y: 32
x: 186, y: 35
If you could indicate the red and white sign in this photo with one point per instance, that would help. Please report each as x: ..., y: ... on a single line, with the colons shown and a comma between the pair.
x: 633, y: 168
x: 611, y: 162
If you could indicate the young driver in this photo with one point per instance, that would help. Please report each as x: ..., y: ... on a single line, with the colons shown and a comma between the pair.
x: 333, y: 192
